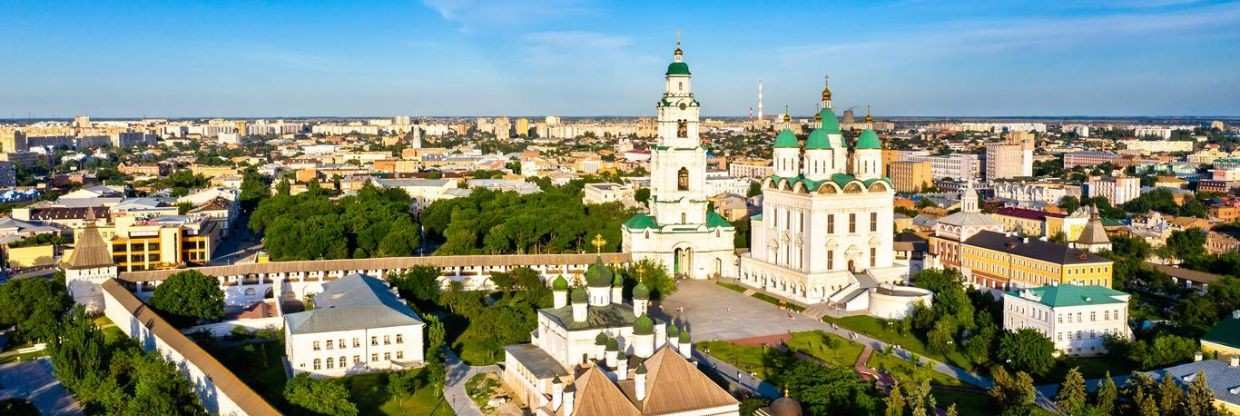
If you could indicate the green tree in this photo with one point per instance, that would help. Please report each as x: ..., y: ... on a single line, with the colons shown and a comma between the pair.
x: 323, y: 397
x: 755, y: 189
x: 188, y: 296
x: 1011, y: 391
x: 401, y: 239
x: 1069, y: 203
x: 1170, y: 396
x: 1027, y: 350
x: 642, y: 195
x: 828, y: 390
x: 1108, y: 393
x: 894, y: 403
x: 78, y: 353
x: 1199, y: 400
x: 1187, y: 244
x: 419, y: 284
x: 34, y: 306
x: 1071, y: 397
x: 254, y: 189
x: 157, y: 387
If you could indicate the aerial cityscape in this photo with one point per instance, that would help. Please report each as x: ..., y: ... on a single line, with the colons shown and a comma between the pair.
x: 587, y: 208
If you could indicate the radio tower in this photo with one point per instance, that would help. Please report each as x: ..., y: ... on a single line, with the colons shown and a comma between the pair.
x: 759, y: 99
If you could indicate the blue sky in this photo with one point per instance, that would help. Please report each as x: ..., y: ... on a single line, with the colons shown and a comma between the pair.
x: 584, y: 57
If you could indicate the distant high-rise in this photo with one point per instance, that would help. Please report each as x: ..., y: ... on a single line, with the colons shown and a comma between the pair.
x: 503, y: 128
x: 522, y: 127
x: 81, y: 121
x: 1010, y: 158
x: 759, y: 99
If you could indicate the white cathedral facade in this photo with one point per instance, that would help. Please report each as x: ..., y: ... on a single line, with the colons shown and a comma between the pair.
x: 680, y: 232
x: 825, y: 232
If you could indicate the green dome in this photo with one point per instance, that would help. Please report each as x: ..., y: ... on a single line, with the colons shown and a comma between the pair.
x: 612, y: 345
x: 559, y: 284
x: 869, y: 140
x: 601, y: 339
x: 578, y: 295
x: 641, y: 292
x: 672, y: 331
x: 818, y: 140
x: 598, y: 274
x: 786, y: 139
x: 684, y: 337
x: 643, y: 326
x: 678, y: 68
x: 617, y: 281
x: 829, y: 122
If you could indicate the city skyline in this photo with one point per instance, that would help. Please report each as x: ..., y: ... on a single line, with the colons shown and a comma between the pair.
x: 586, y: 58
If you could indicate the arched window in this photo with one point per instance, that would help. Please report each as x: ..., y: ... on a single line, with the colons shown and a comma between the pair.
x: 682, y: 179
x: 682, y: 128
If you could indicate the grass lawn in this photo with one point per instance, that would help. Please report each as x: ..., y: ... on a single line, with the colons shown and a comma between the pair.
x: 745, y: 357
x: 370, y: 393
x: 829, y: 348
x: 879, y: 329
x: 734, y: 287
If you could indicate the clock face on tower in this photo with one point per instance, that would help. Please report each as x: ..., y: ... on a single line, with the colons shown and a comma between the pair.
x: 683, y: 106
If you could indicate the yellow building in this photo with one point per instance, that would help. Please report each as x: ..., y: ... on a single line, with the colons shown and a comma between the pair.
x: 151, y: 244
x: 212, y: 171
x: 998, y: 260
x: 910, y: 176
x: 31, y: 256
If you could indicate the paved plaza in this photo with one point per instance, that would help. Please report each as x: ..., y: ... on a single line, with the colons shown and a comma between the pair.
x: 33, y: 381
x: 714, y: 312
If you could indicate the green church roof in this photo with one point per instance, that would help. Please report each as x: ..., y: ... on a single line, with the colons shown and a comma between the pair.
x: 641, y: 292
x: 559, y: 284
x: 678, y: 68
x: 1225, y: 332
x: 869, y: 140
x: 641, y: 221
x: 786, y: 139
x: 643, y: 326
x: 714, y: 220
x: 818, y: 140
x: 598, y: 274
x: 830, y: 124
x: 1073, y: 295
x: 578, y: 295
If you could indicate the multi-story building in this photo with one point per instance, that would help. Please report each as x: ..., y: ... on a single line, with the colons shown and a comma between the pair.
x: 357, y: 325
x: 1116, y: 189
x: 602, y: 193
x: 1076, y: 318
x: 1010, y: 158
x: 1088, y: 158
x: 1033, y: 194
x: 1158, y: 146
x: 8, y: 174
x: 910, y: 176
x: 1006, y: 261
x: 751, y: 168
x: 680, y: 231
x: 951, y: 231
x: 827, y: 217
x: 502, y: 128
x: 522, y: 127
x: 958, y: 166
x: 137, y: 244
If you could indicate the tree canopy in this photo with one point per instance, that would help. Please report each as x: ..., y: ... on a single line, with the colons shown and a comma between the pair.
x: 189, y: 296
x: 34, y: 306
x: 373, y: 223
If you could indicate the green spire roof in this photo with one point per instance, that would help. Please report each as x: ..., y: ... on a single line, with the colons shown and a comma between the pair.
x: 785, y: 139
x: 643, y: 326
x: 559, y: 284
x: 600, y: 339
x: 641, y: 291
x: 818, y: 140
x: 869, y: 140
x: 678, y: 68
x: 830, y: 124
x: 598, y: 275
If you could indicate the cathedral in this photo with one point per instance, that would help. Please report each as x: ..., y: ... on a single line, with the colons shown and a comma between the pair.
x: 825, y: 231
x: 680, y: 232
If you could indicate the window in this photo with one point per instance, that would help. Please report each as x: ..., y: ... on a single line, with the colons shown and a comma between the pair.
x: 852, y: 223
x: 318, y: 364
x: 357, y: 359
x: 1093, y: 316
x: 329, y: 344
x: 399, y: 339
x: 374, y: 356
x: 873, y: 256
x: 400, y: 355
x: 873, y: 221
x: 830, y: 260
x: 682, y: 179
x: 342, y: 344
x: 374, y: 340
x: 387, y: 340
x: 316, y: 345
x: 387, y: 356
x: 343, y: 362
x: 356, y: 342
x: 329, y: 363
x: 830, y: 224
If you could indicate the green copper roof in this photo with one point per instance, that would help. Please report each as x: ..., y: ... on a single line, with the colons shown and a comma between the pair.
x: 818, y: 140
x: 1073, y: 295
x: 672, y: 331
x: 598, y: 274
x: 678, y: 68
x: 869, y: 140
x: 842, y: 179
x: 559, y: 284
x: 1225, y: 332
x: 684, y: 337
x: 600, y: 339
x: 713, y: 219
x: 578, y: 295
x: 643, y: 326
x: 786, y: 139
x: 641, y: 221
x: 829, y: 123
x: 641, y: 292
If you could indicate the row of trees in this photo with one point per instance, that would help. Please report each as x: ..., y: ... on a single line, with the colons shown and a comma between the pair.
x: 552, y: 221
x: 1141, y: 395
x: 33, y: 307
x: 373, y: 223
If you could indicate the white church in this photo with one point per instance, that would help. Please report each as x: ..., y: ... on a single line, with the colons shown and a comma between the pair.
x: 680, y: 232
x: 825, y: 232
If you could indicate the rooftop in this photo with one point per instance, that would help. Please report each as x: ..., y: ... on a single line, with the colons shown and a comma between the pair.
x: 1033, y: 248
x: 353, y: 302
x: 1057, y: 296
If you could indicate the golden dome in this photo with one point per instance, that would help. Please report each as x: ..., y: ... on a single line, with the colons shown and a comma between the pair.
x: 868, y: 117
x: 826, y: 89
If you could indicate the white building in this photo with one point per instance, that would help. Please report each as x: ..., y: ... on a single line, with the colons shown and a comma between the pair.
x: 680, y: 232
x: 959, y: 166
x: 592, y: 351
x: 357, y: 325
x: 1075, y: 317
x: 604, y: 192
x: 1116, y: 189
x: 825, y: 232
x: 1158, y: 146
x: 721, y: 182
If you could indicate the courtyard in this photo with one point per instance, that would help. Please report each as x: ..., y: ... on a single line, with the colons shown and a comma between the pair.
x: 716, y: 313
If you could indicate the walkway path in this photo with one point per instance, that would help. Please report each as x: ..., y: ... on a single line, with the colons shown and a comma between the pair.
x: 458, y: 373
x: 736, y: 377
x: 33, y: 381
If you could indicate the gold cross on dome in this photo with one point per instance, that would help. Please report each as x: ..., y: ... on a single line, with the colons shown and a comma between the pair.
x: 598, y: 243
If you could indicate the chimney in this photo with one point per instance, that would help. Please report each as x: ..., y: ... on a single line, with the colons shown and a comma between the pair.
x: 569, y: 393
x: 557, y: 393
x: 639, y: 382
